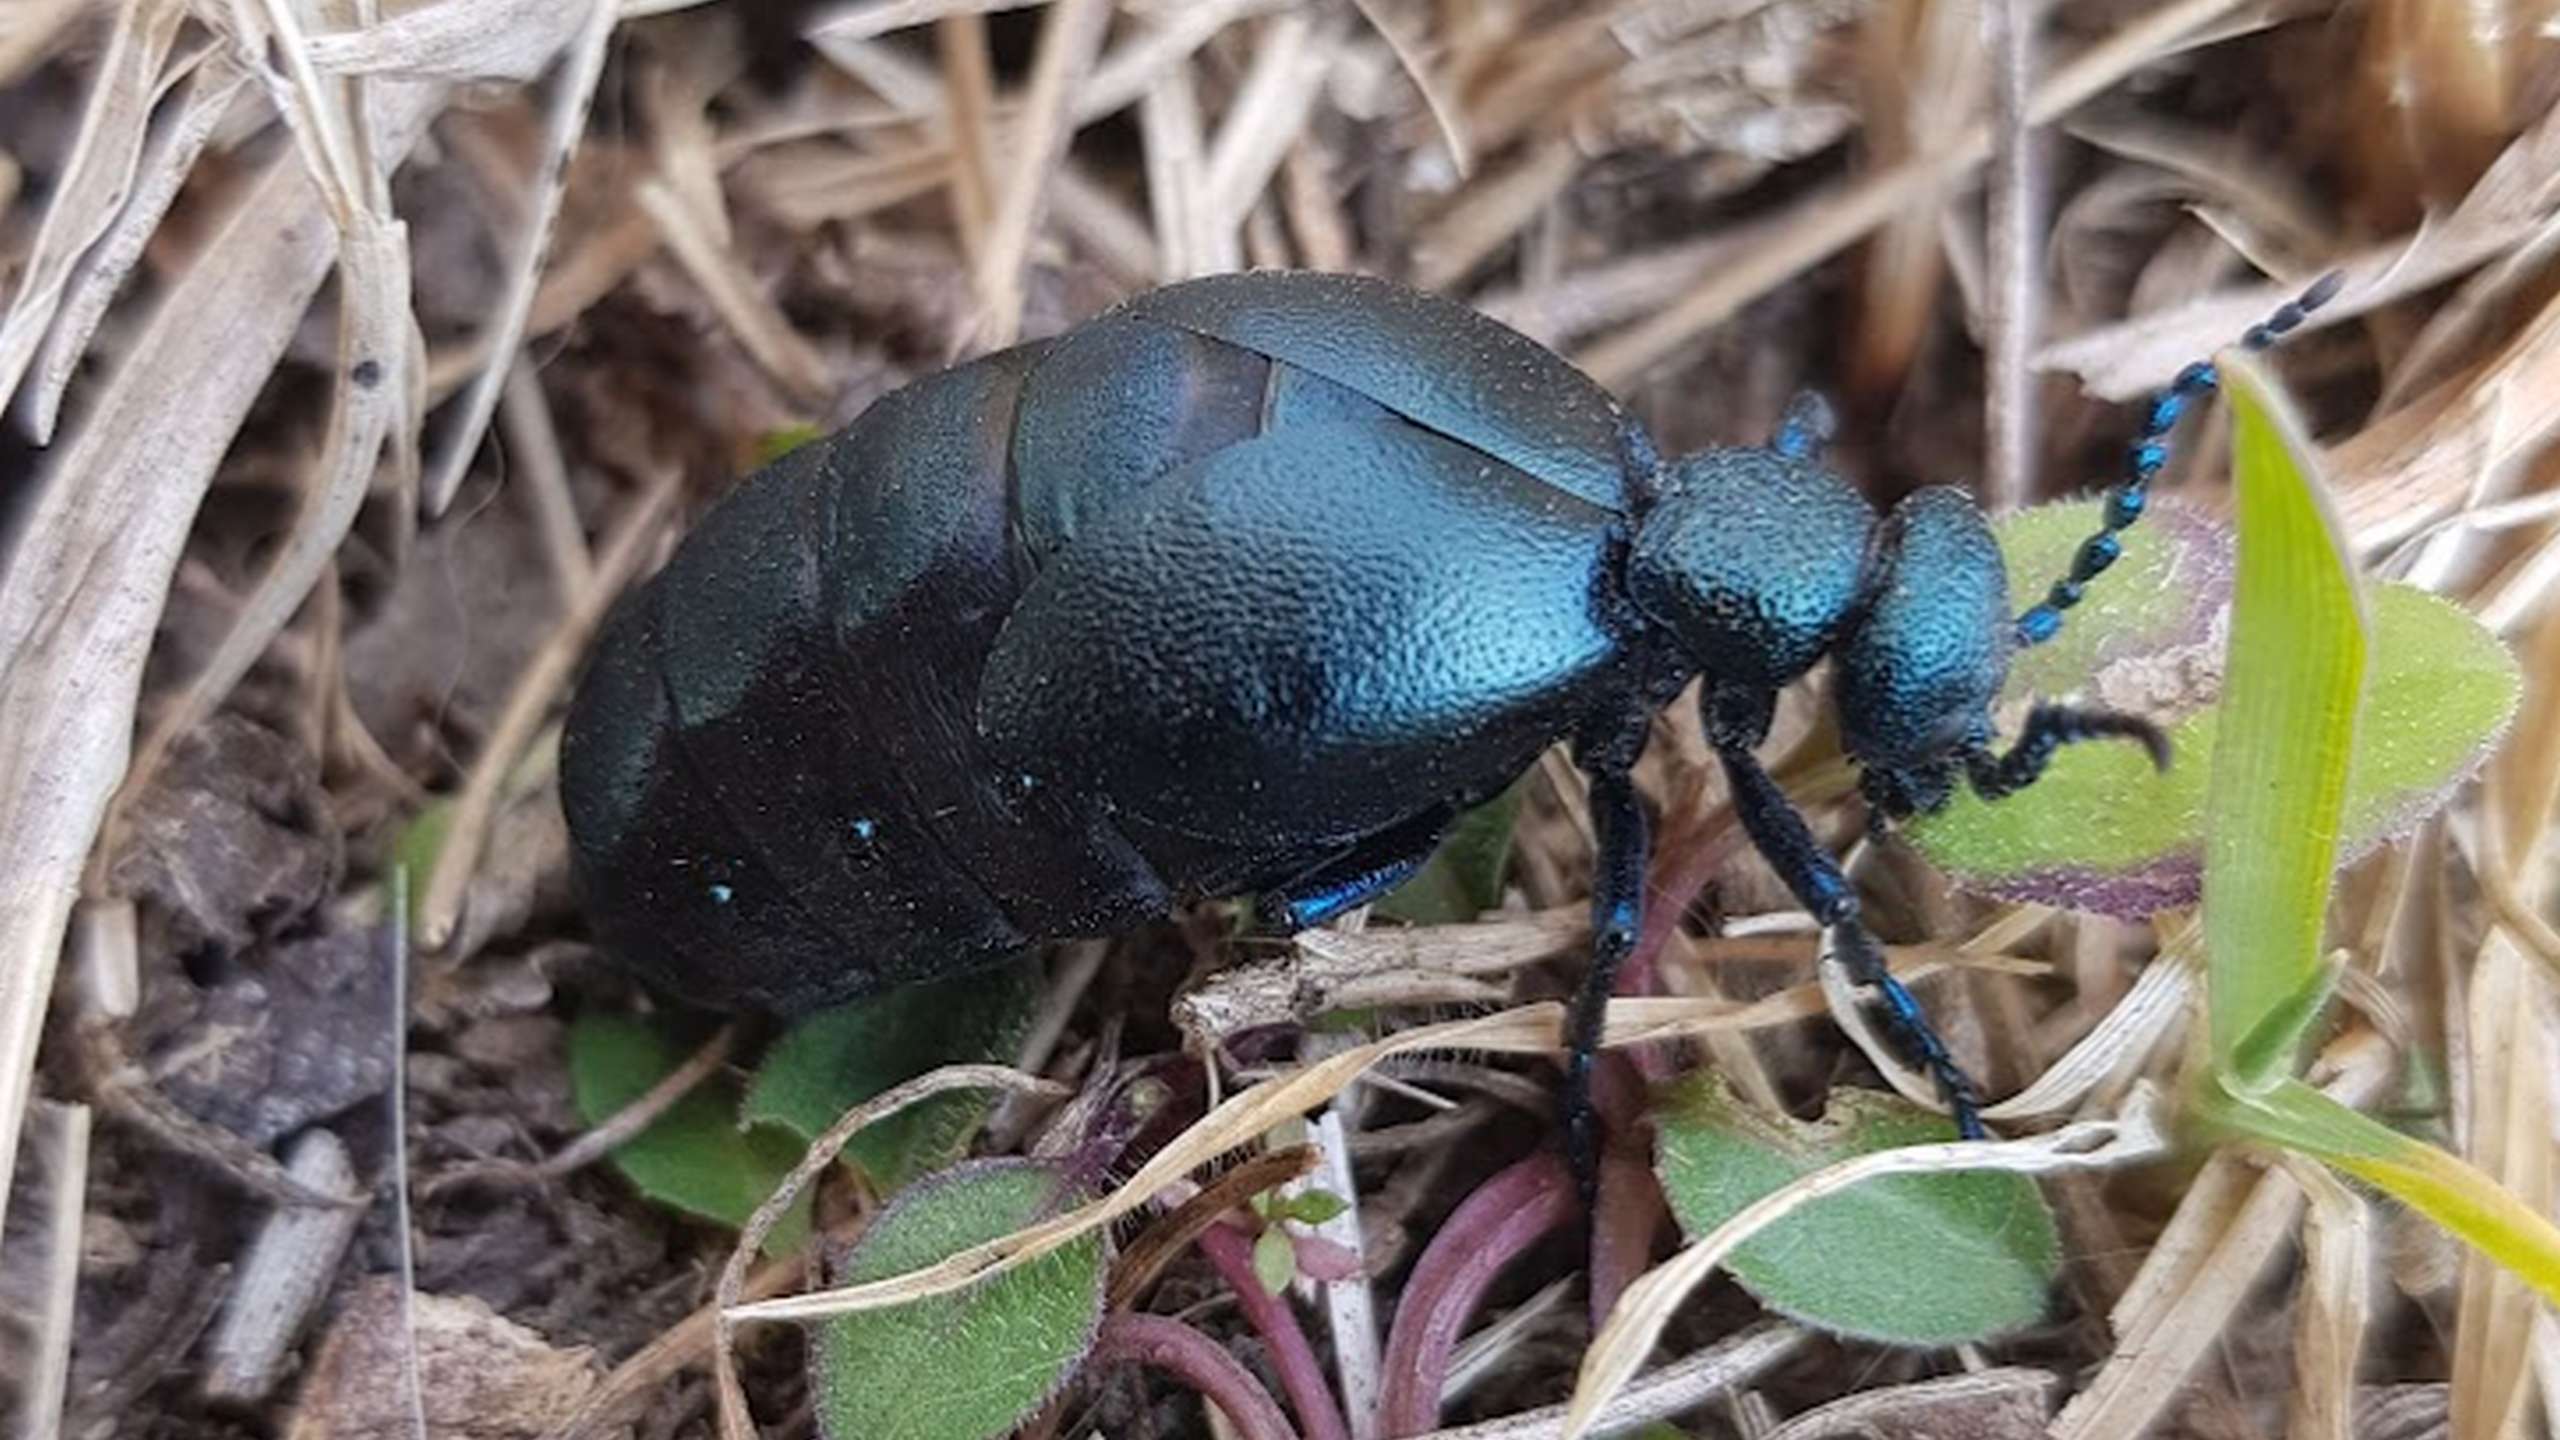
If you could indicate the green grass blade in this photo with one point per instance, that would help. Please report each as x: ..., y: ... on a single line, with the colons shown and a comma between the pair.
x: 2291, y: 689
x: 2440, y: 1186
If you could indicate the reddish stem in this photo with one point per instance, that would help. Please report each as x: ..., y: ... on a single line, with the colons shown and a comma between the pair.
x: 1682, y: 870
x: 1301, y: 1377
x: 1507, y: 1214
x: 1628, y: 1214
x: 1195, y: 1360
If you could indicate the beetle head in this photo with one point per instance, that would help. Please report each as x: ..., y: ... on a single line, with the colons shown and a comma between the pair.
x: 1923, y: 662
x: 1920, y: 666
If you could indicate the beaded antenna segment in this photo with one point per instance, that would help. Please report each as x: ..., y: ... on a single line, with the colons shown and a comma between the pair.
x: 2149, y: 453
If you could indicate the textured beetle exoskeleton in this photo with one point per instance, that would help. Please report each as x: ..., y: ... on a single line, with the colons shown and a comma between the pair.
x: 1251, y: 585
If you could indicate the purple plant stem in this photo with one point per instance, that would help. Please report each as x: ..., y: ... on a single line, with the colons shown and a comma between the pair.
x: 1507, y: 1214
x: 1195, y: 1360
x: 1685, y: 867
x: 1629, y: 1213
x: 1301, y: 1377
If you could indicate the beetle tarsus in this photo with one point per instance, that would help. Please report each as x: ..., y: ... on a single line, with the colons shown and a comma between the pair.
x: 2048, y: 729
x: 1361, y: 873
x: 1863, y: 960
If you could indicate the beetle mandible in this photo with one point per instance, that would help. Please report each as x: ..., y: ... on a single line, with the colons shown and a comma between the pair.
x: 1252, y: 585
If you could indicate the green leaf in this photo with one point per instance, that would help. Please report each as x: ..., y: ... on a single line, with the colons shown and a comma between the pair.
x: 838, y: 1058
x: 2291, y: 689
x: 1907, y: 1259
x: 773, y: 444
x: 1464, y: 876
x: 1310, y: 1207
x: 2103, y: 831
x: 694, y: 1157
x: 1275, y: 1260
x: 417, y: 846
x: 975, y: 1362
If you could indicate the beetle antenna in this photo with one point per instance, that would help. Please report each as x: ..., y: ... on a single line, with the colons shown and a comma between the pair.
x: 2148, y: 453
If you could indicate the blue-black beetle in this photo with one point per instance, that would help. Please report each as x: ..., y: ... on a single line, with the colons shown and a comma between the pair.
x: 1252, y: 585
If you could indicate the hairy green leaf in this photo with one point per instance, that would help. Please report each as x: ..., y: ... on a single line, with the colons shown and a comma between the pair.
x: 1909, y: 1259
x: 973, y: 1363
x: 838, y: 1058
x: 695, y: 1156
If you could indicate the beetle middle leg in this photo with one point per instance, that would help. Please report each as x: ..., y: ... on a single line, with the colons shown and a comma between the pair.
x: 1622, y: 842
x: 1809, y: 871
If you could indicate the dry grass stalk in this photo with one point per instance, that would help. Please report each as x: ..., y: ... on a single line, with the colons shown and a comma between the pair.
x: 2115, y: 1048
x: 1070, y: 42
x: 374, y: 371
x: 1922, y: 71
x: 2505, y: 1070
x: 2201, y: 165
x: 2229, y: 1226
x: 511, y: 41
x: 99, y: 175
x: 692, y: 233
x: 2454, y: 447
x: 1350, y: 1306
x: 540, y: 470
x: 1316, y: 221
x: 81, y: 600
x: 1677, y: 1388
x: 2438, y: 87
x: 1244, y: 1117
x: 1491, y: 211
x: 2010, y: 252
x: 283, y: 1279
x: 2501, y: 1059
x: 2335, y: 1307
x: 570, y: 100
x: 1105, y: 227
x: 611, y: 1407
x: 29, y: 32
x: 536, y: 691
x: 868, y: 19
x: 969, y: 82
x: 1177, y: 184
x: 615, y: 1131
x: 1815, y: 231
x: 1271, y: 110
x: 64, y: 1131
x: 169, y: 155
x: 734, y: 1421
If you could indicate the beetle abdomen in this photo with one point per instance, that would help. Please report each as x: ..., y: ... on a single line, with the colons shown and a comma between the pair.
x: 772, y: 777
x: 775, y: 781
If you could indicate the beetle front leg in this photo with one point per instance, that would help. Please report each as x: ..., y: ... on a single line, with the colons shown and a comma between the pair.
x: 1617, y: 917
x: 1809, y: 871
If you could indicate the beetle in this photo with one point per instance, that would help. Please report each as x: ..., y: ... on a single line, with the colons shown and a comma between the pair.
x: 1252, y: 585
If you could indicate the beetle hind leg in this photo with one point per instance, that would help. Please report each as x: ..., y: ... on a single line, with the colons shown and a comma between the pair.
x: 1372, y: 866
